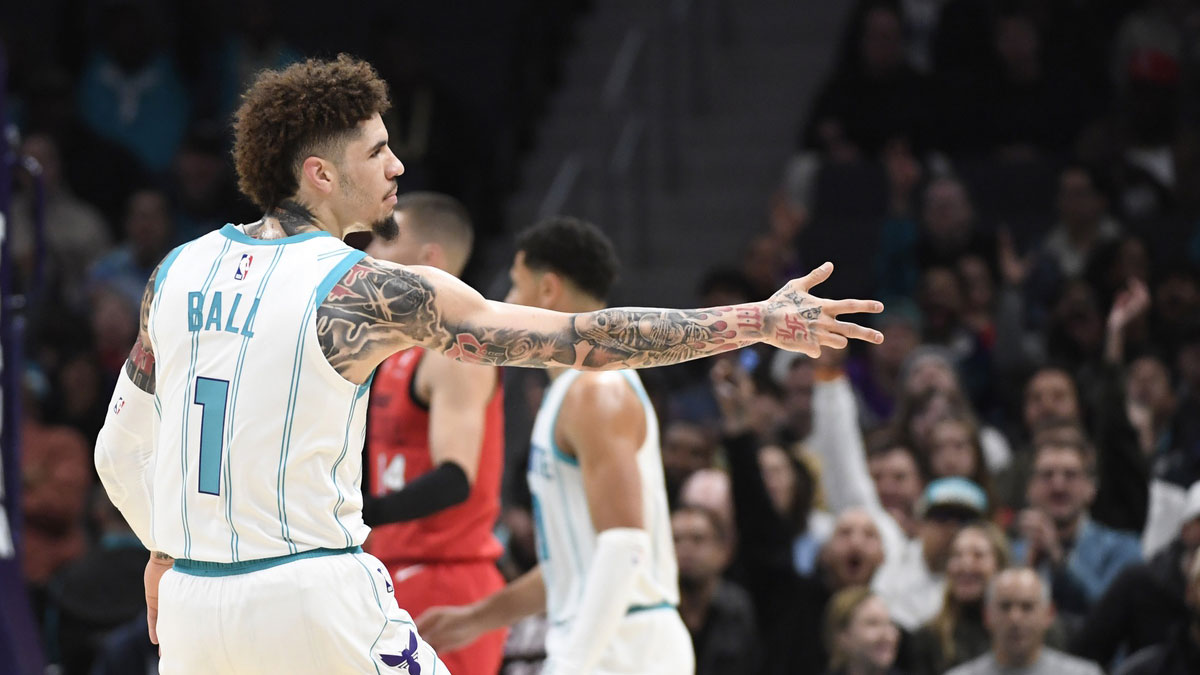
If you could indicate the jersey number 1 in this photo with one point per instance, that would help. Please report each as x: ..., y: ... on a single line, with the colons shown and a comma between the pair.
x: 211, y: 396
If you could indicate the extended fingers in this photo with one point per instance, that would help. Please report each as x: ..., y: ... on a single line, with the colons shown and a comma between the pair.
x: 857, y: 332
x: 836, y: 307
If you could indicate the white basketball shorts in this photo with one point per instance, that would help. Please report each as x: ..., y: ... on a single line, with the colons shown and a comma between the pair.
x: 320, y: 612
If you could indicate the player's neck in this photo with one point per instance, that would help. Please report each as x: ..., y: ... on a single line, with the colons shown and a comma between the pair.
x: 286, y: 220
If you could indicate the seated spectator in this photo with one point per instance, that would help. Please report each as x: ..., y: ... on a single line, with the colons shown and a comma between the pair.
x: 1018, y: 613
x: 686, y: 448
x: 789, y: 606
x: 710, y: 489
x: 954, y: 450
x: 130, y: 91
x: 1077, y: 556
x: 1051, y: 399
x: 75, y: 232
x: 148, y: 231
x: 1180, y: 653
x: 1146, y: 600
x: 861, y: 636
x: 717, y: 612
x: 791, y: 486
x: 876, y: 372
x: 872, y: 98
x: 899, y: 482
x: 1083, y: 225
x: 957, y: 634
x: 946, y: 232
x: 914, y: 583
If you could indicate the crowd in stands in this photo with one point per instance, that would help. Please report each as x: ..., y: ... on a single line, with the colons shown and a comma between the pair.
x: 1009, y: 483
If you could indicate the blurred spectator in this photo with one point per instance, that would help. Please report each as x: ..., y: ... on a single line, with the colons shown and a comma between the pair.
x: 84, y: 379
x: 791, y: 486
x: 1016, y: 106
x: 718, y: 613
x: 55, y: 476
x: 1018, y: 613
x: 899, y: 482
x: 875, y: 374
x: 1084, y: 224
x: 710, y: 489
x: 130, y: 91
x: 1180, y: 653
x: 1052, y: 398
x: 1146, y: 600
x: 75, y: 232
x: 100, y: 591
x: 946, y: 233
x: 149, y: 232
x: 954, y: 450
x: 914, y: 583
x: 1077, y: 556
x: 872, y: 97
x: 255, y: 44
x: 861, y: 636
x: 50, y: 108
x: 957, y: 634
x: 127, y: 650
x: 202, y: 187
x: 789, y: 606
x: 686, y: 448
x: 1151, y: 403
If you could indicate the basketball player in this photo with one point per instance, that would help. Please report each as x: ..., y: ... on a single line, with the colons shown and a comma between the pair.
x: 435, y: 450
x: 606, y: 569
x: 233, y: 438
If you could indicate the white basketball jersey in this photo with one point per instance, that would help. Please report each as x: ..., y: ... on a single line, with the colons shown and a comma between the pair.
x: 260, y: 440
x: 566, y: 538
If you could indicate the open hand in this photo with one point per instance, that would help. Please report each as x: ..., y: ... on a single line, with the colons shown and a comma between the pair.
x: 448, y: 628
x: 800, y: 322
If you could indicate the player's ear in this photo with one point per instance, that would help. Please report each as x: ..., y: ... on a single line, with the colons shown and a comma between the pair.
x: 432, y: 255
x: 318, y: 174
x: 550, y: 289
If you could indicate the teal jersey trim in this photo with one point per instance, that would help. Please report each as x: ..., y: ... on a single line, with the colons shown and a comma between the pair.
x: 231, y: 232
x: 635, y: 609
x: 202, y: 568
x: 335, y: 275
x: 165, y: 265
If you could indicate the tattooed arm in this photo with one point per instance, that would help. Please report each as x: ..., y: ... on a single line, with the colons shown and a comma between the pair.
x: 140, y: 364
x: 379, y: 308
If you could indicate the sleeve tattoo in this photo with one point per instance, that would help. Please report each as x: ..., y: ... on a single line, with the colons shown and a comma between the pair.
x: 375, y: 307
x: 140, y: 365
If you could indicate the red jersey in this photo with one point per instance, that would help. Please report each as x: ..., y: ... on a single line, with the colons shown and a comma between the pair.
x: 398, y: 453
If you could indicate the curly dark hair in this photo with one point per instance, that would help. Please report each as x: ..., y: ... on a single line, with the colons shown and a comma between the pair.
x: 574, y: 249
x: 309, y: 108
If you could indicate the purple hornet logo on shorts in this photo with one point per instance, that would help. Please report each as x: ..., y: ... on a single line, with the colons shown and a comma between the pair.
x: 406, y: 659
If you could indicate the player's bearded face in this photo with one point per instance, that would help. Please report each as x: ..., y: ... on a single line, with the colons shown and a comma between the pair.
x: 385, y: 228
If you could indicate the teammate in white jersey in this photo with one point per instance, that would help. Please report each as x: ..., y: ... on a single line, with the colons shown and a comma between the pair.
x: 232, y: 444
x: 606, y: 571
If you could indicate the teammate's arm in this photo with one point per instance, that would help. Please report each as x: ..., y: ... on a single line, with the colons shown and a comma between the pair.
x: 603, y: 424
x: 379, y: 308
x: 458, y: 399
x: 449, y: 628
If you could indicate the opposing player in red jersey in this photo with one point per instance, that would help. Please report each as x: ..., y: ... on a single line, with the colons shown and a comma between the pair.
x: 435, y: 450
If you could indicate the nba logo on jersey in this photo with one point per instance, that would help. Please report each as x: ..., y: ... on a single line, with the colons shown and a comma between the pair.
x: 118, y: 405
x: 243, y: 268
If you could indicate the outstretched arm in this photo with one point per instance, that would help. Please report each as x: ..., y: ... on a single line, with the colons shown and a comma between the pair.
x: 379, y: 308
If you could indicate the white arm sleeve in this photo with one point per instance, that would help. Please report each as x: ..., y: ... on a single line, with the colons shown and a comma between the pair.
x: 125, y: 455
x: 621, y: 552
x: 838, y: 442
x: 845, y: 476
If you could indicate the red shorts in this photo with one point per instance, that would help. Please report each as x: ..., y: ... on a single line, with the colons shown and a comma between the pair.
x: 420, y: 586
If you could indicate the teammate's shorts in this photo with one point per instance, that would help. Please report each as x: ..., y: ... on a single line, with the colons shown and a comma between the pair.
x: 316, y: 612
x: 425, y: 585
x: 648, y: 642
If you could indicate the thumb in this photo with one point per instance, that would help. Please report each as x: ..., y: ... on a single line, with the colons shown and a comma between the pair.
x: 816, y: 276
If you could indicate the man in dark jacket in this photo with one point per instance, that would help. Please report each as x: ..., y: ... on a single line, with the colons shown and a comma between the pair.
x: 1146, y: 600
x: 1180, y: 654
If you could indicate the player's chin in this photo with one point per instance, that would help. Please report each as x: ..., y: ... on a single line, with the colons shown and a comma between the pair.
x: 386, y: 228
